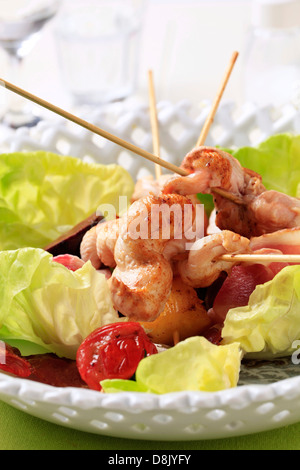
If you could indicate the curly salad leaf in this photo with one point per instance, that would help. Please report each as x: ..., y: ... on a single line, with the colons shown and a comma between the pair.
x: 194, y: 364
x: 45, y: 307
x: 270, y: 323
x: 43, y: 195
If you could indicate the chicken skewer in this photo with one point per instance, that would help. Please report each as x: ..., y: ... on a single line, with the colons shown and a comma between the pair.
x: 262, y: 211
x: 143, y: 273
x: 204, y: 263
x: 217, y: 253
x: 145, y: 267
x: 293, y: 213
x: 214, y: 167
x: 142, y: 280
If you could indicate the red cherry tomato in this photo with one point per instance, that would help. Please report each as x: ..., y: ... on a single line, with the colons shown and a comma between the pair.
x: 113, y: 351
x: 12, y: 362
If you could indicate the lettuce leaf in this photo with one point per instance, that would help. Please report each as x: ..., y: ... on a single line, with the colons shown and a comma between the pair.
x: 122, y: 385
x: 45, y: 305
x: 270, y: 323
x: 43, y: 195
x: 193, y: 364
x: 276, y: 160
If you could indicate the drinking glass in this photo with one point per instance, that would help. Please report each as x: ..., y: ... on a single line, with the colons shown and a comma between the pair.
x: 21, y: 22
x: 98, y: 43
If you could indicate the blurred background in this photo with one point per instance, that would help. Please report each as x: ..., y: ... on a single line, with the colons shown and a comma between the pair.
x: 186, y: 43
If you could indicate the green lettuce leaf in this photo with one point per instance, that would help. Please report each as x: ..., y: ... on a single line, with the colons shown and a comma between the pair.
x: 45, y: 305
x: 270, y: 323
x: 121, y: 385
x: 193, y: 364
x: 43, y: 195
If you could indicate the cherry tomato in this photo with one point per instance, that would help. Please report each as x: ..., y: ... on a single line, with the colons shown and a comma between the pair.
x: 12, y: 362
x: 113, y: 351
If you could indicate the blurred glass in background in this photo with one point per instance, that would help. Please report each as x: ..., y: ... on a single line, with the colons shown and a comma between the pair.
x: 98, y: 45
x: 272, y: 56
x: 21, y: 22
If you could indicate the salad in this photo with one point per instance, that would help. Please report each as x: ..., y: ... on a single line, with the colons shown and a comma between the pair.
x: 121, y: 313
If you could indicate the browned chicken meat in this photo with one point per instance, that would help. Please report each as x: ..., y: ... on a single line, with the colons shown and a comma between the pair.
x: 98, y: 244
x: 286, y: 241
x: 259, y: 212
x: 142, y: 280
x: 204, y: 264
x: 150, y: 186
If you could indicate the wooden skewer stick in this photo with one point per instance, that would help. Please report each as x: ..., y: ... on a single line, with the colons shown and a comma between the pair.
x: 252, y: 258
x: 210, y: 120
x: 230, y: 196
x: 176, y: 337
x: 154, y: 123
x: 106, y: 135
x: 91, y: 127
x: 211, y: 116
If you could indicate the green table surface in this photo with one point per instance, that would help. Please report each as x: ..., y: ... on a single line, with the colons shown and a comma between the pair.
x: 20, y: 431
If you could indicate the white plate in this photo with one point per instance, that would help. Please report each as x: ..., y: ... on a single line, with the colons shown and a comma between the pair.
x: 171, y: 417
x: 268, y: 395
